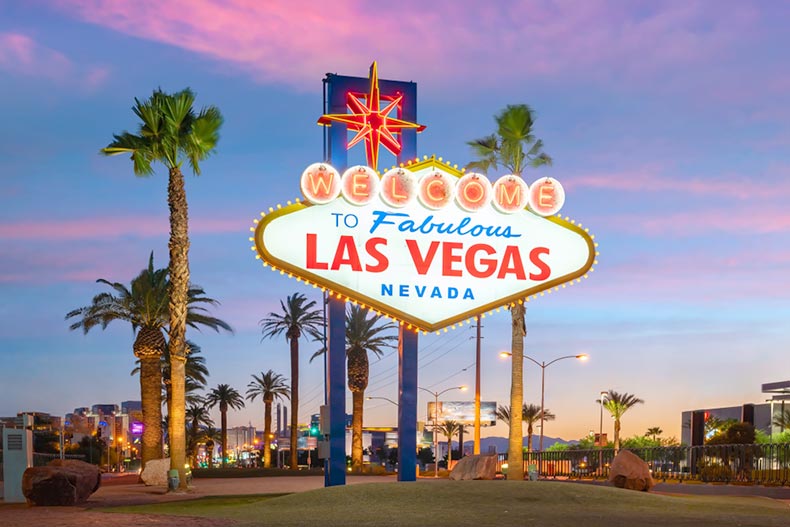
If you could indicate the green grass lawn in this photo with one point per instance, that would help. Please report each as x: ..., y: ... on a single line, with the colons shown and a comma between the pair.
x: 478, y: 503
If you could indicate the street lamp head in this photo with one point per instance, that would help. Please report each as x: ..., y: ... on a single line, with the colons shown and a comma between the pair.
x: 583, y: 357
x: 505, y: 354
x: 463, y: 387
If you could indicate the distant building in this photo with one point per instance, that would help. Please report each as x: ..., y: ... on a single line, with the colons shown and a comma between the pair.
x: 761, y: 415
x: 128, y: 407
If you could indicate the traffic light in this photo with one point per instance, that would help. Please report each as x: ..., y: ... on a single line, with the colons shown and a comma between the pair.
x: 314, y: 430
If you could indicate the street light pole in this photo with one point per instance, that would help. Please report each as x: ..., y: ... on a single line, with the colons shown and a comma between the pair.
x: 600, y: 429
x: 543, y: 365
x: 436, y: 426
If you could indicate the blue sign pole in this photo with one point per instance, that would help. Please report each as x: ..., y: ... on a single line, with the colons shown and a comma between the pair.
x: 335, y: 151
x: 407, y: 405
x: 335, y: 473
x: 407, y: 340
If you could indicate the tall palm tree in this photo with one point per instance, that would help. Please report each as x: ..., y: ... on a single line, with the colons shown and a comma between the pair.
x: 269, y: 386
x: 197, y: 416
x: 226, y: 397
x: 363, y: 336
x: 530, y: 414
x: 297, y: 317
x: 449, y: 428
x: 617, y: 404
x: 654, y: 432
x: 144, y: 304
x: 171, y: 132
x: 513, y: 147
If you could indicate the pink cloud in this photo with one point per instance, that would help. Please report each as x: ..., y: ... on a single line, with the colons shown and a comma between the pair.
x: 771, y: 184
x: 27, y: 263
x: 21, y: 55
x: 762, y: 220
x: 290, y: 41
x: 102, y: 228
x: 692, y: 277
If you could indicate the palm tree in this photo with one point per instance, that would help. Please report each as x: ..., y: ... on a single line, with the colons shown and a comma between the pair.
x: 269, y: 386
x: 363, y: 335
x: 654, y: 432
x: 513, y: 147
x: 144, y: 304
x: 210, y: 436
x: 170, y: 132
x: 195, y: 370
x: 530, y: 414
x: 617, y: 404
x: 225, y: 397
x: 197, y: 416
x: 449, y: 428
x: 296, y: 318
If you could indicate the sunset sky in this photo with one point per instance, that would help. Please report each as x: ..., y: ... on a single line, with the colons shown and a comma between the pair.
x: 667, y: 123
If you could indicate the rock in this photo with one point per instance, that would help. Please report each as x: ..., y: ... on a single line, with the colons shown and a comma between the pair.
x: 88, y: 476
x: 155, y: 472
x: 481, y: 466
x: 62, y: 482
x: 49, y: 486
x: 628, y: 471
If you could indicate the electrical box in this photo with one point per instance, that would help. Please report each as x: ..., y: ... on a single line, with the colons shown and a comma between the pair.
x: 17, y: 457
x: 323, y: 420
x: 323, y: 450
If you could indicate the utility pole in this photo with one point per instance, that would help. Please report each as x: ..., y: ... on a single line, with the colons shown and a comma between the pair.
x: 476, y: 450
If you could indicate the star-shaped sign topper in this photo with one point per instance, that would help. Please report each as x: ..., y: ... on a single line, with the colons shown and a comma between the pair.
x: 372, y: 123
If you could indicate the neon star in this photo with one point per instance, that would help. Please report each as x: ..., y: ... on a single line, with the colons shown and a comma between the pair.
x: 372, y: 123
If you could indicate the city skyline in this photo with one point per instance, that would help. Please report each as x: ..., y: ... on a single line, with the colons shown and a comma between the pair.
x: 668, y: 126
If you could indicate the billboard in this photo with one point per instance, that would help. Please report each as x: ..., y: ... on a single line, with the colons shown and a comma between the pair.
x: 463, y: 412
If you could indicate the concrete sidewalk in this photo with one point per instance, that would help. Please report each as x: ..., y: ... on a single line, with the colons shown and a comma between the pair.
x: 121, y: 491
x: 135, y: 494
x: 124, y: 491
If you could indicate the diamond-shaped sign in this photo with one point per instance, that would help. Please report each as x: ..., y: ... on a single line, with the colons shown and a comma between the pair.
x: 425, y: 267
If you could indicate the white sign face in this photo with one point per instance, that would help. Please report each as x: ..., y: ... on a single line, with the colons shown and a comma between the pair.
x: 426, y: 267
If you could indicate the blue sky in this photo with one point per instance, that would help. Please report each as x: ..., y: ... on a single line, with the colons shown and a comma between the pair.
x: 667, y: 124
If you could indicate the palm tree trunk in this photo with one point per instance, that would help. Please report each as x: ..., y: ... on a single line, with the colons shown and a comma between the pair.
x: 449, y: 451
x: 179, y: 285
x: 151, y: 400
x: 616, y: 436
x: 267, y: 432
x: 294, y: 403
x: 224, y: 426
x: 357, y: 404
x: 529, y: 436
x: 515, y: 451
